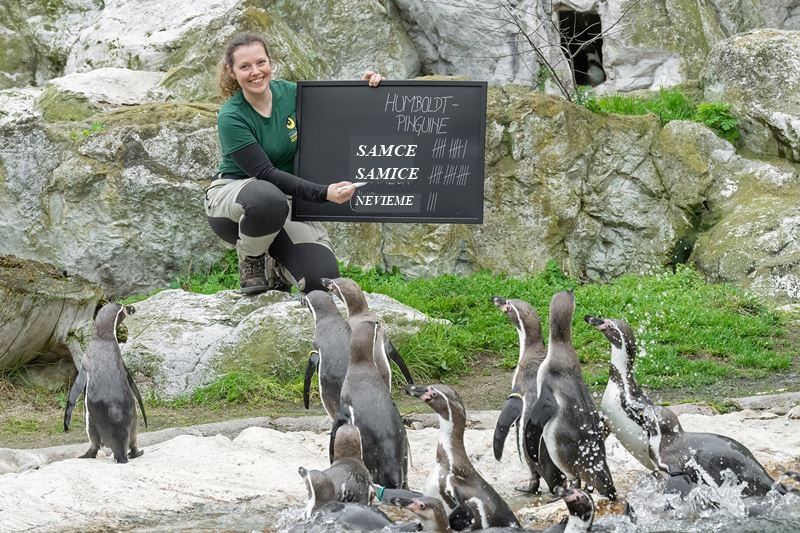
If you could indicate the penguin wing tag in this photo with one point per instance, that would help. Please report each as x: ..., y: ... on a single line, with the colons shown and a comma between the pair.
x: 76, y: 390
x: 510, y: 414
x: 545, y: 408
x: 311, y: 367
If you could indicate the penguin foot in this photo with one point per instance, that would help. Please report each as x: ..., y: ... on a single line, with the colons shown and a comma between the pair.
x: 91, y: 453
x: 531, y: 488
x: 134, y: 453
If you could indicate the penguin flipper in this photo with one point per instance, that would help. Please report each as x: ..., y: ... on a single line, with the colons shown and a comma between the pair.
x: 138, y: 395
x: 394, y: 355
x: 311, y: 367
x: 77, y: 388
x: 545, y: 408
x: 341, y: 419
x: 510, y: 414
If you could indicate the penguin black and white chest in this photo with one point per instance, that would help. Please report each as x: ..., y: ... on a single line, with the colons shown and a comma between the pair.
x: 366, y: 403
x: 654, y: 436
x: 624, y: 403
x: 110, y: 392
x: 331, y: 353
x: 358, y: 310
x: 523, y: 391
x: 454, y: 479
x: 348, y: 472
x: 564, y: 418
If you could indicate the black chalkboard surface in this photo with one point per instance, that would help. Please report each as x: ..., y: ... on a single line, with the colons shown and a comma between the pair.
x: 418, y: 145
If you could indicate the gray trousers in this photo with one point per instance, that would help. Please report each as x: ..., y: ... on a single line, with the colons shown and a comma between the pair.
x: 254, y: 216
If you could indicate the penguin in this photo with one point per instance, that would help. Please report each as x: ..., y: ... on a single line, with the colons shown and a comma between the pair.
x: 595, y: 74
x: 111, y: 393
x: 353, y: 298
x: 348, y: 472
x: 454, y: 479
x: 564, y: 418
x: 331, y: 353
x: 523, y: 392
x: 655, y: 437
x: 366, y: 403
x: 322, y: 509
x: 431, y: 514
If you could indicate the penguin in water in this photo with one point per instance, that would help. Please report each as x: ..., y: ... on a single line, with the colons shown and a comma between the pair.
x: 331, y: 353
x: 111, y: 393
x: 366, y: 403
x: 353, y: 298
x: 322, y: 509
x: 523, y: 392
x: 432, y: 516
x: 454, y: 479
x: 348, y: 472
x: 564, y: 419
x: 654, y: 436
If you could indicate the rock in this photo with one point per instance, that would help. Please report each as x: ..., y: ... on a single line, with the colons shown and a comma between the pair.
x: 189, y: 479
x: 752, y: 72
x: 18, y: 106
x: 776, y: 403
x: 78, y: 96
x: 179, y: 341
x: 794, y: 413
x: 693, y: 408
x: 50, y: 376
x: 42, y: 311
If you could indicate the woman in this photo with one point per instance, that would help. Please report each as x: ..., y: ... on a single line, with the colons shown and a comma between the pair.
x: 246, y: 202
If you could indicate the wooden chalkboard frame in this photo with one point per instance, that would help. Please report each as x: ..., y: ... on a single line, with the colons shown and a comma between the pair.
x: 308, y: 211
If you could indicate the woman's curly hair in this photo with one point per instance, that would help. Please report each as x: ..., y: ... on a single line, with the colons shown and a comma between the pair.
x: 227, y: 84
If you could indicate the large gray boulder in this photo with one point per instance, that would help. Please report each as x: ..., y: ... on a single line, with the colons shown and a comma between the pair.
x: 179, y: 341
x: 44, y: 313
x: 758, y: 73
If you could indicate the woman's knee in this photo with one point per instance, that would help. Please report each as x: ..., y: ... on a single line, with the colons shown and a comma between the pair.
x: 265, y: 208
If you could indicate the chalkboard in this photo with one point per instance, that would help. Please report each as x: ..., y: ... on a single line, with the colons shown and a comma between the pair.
x: 419, y: 145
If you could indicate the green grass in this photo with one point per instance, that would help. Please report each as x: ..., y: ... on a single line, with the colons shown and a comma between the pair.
x: 690, y: 333
x: 668, y: 105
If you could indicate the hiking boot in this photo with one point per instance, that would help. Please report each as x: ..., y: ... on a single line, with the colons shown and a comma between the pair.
x: 275, y: 281
x: 251, y: 275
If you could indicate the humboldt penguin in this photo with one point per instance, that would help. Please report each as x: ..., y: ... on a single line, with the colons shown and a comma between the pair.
x: 353, y: 298
x: 523, y: 392
x: 348, y: 472
x: 111, y: 393
x: 331, y: 353
x: 432, y: 515
x: 454, y: 479
x: 564, y: 419
x: 654, y: 436
x: 323, y: 510
x: 366, y: 403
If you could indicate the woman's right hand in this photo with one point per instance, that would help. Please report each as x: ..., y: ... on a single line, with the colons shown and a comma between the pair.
x: 340, y: 192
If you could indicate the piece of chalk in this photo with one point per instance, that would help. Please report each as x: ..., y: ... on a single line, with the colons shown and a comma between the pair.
x: 354, y: 185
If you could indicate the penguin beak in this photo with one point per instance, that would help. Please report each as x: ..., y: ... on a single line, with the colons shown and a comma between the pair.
x: 303, y: 472
x: 327, y: 283
x: 421, y: 392
x: 129, y: 310
x: 402, y: 502
x: 501, y: 303
x: 599, y: 323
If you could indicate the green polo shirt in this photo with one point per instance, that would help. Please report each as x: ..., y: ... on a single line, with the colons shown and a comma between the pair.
x: 239, y: 125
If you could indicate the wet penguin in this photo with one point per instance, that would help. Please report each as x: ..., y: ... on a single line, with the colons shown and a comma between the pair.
x: 564, y: 418
x: 331, y: 353
x: 353, y: 298
x: 348, y: 472
x: 523, y: 392
x: 432, y: 515
x: 454, y: 479
x: 366, y: 402
x: 654, y: 433
x: 322, y: 509
x: 111, y: 393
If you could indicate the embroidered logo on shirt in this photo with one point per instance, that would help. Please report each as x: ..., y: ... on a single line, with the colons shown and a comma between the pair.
x: 290, y: 125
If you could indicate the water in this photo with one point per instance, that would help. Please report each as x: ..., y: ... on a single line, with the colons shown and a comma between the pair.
x: 707, y: 509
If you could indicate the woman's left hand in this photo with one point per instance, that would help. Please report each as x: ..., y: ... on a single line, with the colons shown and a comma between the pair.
x: 373, y: 78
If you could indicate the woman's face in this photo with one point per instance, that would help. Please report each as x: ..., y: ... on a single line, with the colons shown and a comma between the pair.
x: 251, y: 69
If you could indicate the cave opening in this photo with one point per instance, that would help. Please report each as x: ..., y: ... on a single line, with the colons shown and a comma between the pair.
x: 582, y: 43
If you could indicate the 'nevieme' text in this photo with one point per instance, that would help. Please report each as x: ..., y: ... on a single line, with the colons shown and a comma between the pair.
x: 384, y: 199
